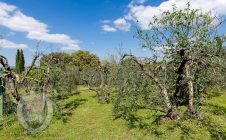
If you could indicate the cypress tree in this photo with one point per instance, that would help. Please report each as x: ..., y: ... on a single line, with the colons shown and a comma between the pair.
x: 21, y: 62
x: 17, y: 61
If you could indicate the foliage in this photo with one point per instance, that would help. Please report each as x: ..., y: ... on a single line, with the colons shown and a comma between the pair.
x: 63, y: 82
x: 9, y: 106
x: 17, y: 61
x: 184, y: 48
x: 61, y: 78
x: 90, y: 77
x: 97, y: 79
x: 84, y: 59
x: 59, y: 58
x: 68, y: 70
x: 134, y: 90
x: 20, y: 61
x: 36, y: 75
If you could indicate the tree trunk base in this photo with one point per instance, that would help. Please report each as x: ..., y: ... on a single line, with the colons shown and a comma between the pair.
x: 190, y: 112
x: 195, y: 114
x: 171, y: 115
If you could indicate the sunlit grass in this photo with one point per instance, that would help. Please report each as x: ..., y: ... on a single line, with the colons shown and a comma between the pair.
x: 92, y: 120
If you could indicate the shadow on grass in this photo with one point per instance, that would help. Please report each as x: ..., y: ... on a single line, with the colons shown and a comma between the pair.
x: 64, y: 111
x: 148, y: 123
x: 8, y: 121
x: 185, y: 131
x: 159, y: 128
x: 58, y: 96
x: 214, y: 94
x: 214, y: 109
x: 216, y: 131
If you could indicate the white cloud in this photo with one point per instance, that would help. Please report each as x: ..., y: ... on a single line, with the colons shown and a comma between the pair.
x: 51, y: 38
x: 72, y: 47
x: 11, y: 45
x: 6, y: 8
x: 108, y: 28
x: 12, y: 18
x: 17, y: 21
x: 135, y: 2
x: 122, y: 24
x: 105, y: 21
x: 137, y: 10
x: 144, y: 14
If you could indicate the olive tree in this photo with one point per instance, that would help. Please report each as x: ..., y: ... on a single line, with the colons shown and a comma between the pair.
x: 181, y: 42
x: 133, y: 90
x: 97, y: 79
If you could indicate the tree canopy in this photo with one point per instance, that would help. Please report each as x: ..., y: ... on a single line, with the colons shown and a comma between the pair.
x: 84, y: 59
x: 184, y: 47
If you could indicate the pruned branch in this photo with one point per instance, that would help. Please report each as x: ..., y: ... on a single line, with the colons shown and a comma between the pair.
x: 152, y: 76
x: 21, y: 81
x: 14, y: 78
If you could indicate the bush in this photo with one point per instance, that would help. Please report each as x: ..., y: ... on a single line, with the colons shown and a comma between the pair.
x: 63, y: 82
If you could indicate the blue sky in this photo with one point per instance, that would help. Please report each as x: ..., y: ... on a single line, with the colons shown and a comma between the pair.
x: 99, y: 26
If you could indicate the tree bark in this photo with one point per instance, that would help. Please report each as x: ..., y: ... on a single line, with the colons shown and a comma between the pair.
x: 103, y: 92
x: 172, y: 110
x: 14, y: 78
x: 10, y: 76
x: 166, y: 98
x: 181, y: 91
x: 188, y: 66
x: 158, y: 83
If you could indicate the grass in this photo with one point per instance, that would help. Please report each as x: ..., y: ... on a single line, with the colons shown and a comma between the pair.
x: 84, y: 119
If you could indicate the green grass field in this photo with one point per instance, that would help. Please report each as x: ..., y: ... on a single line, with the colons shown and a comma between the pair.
x: 84, y: 119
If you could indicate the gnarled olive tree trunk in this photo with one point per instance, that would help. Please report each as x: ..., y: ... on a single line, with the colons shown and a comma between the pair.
x: 13, y: 78
x: 188, y: 66
x: 103, y: 92
x: 172, y: 111
x: 8, y: 74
